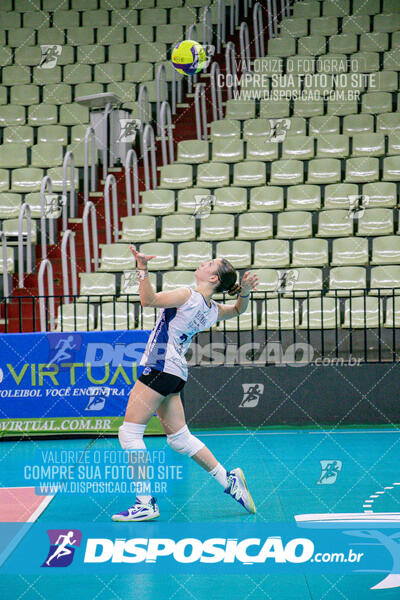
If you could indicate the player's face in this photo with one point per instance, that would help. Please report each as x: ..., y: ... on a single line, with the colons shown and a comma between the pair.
x: 207, y: 269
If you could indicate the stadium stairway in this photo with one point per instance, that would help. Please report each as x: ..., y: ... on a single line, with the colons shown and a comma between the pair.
x: 184, y: 128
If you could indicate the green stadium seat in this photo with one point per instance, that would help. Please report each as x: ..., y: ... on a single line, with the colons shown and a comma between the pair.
x: 307, y: 9
x: 258, y: 149
x: 344, y: 43
x: 217, y: 227
x: 361, y: 170
x: 114, y: 316
x: 392, y: 314
x: 349, y: 251
x: 57, y: 93
x: 56, y: 175
x: 164, y: 255
x: 26, y: 180
x: 274, y: 109
x: 280, y: 313
x: 384, y: 81
x: 237, y: 252
x: 297, y: 27
x: 65, y: 18
x: 188, y: 201
x: 324, y: 170
x: 42, y: 114
x: 390, y: 60
x: 87, y: 89
x: 46, y: 76
x: 374, y: 42
x: 138, y: 72
x: 10, y: 205
x: 169, y: 34
x: 320, y: 313
x: 230, y: 200
x: 193, y: 151
x: 247, y: 321
x: 77, y: 73
x: 266, y: 198
x: 282, y: 46
x: 332, y: 63
x: 391, y: 168
x: 225, y: 128
x: 369, y: 144
x: 324, y: 125
x: 34, y: 201
x: 178, y: 279
x: 287, y: 172
x: 16, y: 75
x: 376, y: 102
x: 158, y: 202
x: 387, y: 23
x: 225, y: 150
x: 249, y: 174
x: 73, y: 114
x: 333, y: 145
x: 327, y: 26
x: 49, y: 154
x: 353, y: 124
x: 303, y: 197
x: 123, y: 89
x: 13, y: 155
x: 375, y: 222
x: 337, y: 195
x: 213, y: 175
x: 360, y: 313
x: 310, y: 252
x: 253, y: 128
x: 308, y: 283
x: 91, y: 54
x: 138, y: 228
x: 308, y: 108
x: 4, y: 180
x: 394, y: 143
x: 390, y: 6
x: 83, y: 35
x: 107, y: 73
x: 385, y: 280
x: 381, y: 194
x: 125, y: 17
x: 386, y: 122
x: 298, y: 147
x: 342, y: 106
x: 149, y: 16
x: 17, y: 37
x: 25, y: 56
x: 176, y: 176
x: 75, y: 317
x: 95, y: 18
x: 152, y: 52
x: 368, y: 7
x: 311, y: 45
x: 300, y: 65
x: 255, y: 226
x: 176, y: 228
x: 347, y: 281
x: 10, y: 230
x: 116, y: 257
x: 130, y: 286
x: 294, y: 225
x: 271, y: 253
x: 192, y: 254
x: 240, y: 109
x: 267, y: 286
x: 52, y: 133
x: 334, y: 223
x: 97, y: 286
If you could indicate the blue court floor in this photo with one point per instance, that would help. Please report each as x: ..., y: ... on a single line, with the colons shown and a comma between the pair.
x: 282, y: 468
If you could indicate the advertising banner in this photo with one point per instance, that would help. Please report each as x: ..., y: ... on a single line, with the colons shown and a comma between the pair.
x: 63, y: 383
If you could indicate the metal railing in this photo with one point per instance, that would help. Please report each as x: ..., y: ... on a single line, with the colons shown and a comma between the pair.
x: 4, y: 256
x: 69, y: 239
x: 231, y: 69
x: 216, y: 92
x: 357, y: 324
x: 166, y: 126
x: 259, y: 28
x: 149, y: 145
x: 111, y: 183
x: 69, y: 198
x: 46, y: 265
x: 201, y: 111
x: 131, y: 162
x: 89, y: 133
x: 90, y: 208
x: 24, y: 207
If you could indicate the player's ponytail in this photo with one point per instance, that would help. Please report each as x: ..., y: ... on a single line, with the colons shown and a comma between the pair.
x: 227, y: 276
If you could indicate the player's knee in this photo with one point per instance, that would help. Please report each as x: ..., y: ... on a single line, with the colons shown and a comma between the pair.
x: 184, y: 442
x: 130, y: 436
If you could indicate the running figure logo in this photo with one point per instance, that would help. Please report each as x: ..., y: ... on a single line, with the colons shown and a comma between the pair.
x: 278, y: 129
x: 330, y: 469
x: 62, y: 547
x: 252, y: 393
x: 50, y: 54
x: 63, y: 346
x: 128, y: 129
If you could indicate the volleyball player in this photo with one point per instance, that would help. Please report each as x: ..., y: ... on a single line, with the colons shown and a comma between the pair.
x: 185, y: 312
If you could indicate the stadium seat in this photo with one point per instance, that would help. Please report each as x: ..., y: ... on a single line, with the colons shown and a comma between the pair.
x: 295, y: 27
x: 226, y: 150
x: 52, y: 133
x: 326, y: 26
x: 391, y: 168
x: 177, y: 279
x: 260, y: 150
x: 376, y: 222
x: 360, y: 313
x: 10, y: 230
x: 247, y: 321
x: 266, y: 198
x: 282, y: 46
x: 225, y: 128
x: 176, y: 228
x: 49, y: 154
x: 249, y: 174
x: 13, y: 155
x: 138, y: 228
x: 388, y: 122
x: 267, y: 286
x: 386, y: 250
x: 24, y: 94
x: 22, y: 134
x: 298, y: 147
x: 274, y: 109
x: 369, y: 144
x: 192, y: 254
x: 130, y: 286
x: 344, y: 43
x: 57, y: 93
x: 26, y: 180
x: 333, y: 145
x: 75, y: 317
x: 392, y: 314
x: 164, y: 255
x: 310, y: 252
x: 287, y: 172
x: 230, y: 200
x: 353, y: 124
x: 337, y: 195
x: 116, y: 316
x: 320, y: 313
x: 361, y: 170
x: 271, y: 253
x: 217, y: 227
x: 356, y: 24
x: 255, y: 226
x: 307, y: 283
x: 192, y: 151
x: 349, y: 251
x: 96, y: 286
x: 10, y: 205
x: 237, y: 252
x: 213, y: 175
x: 384, y: 81
x: 280, y: 313
x: 394, y: 143
x: 334, y: 223
x: 240, y: 109
x: 292, y: 225
x: 311, y: 45
x: 387, y: 23
x: 324, y: 125
x: 308, y: 108
x: 189, y: 200
x: 324, y: 170
x: 42, y: 114
x: 346, y: 281
x: 303, y: 197
x: 158, y: 202
x: 385, y: 280
x: 374, y: 42
x: 116, y: 257
x: 377, y: 102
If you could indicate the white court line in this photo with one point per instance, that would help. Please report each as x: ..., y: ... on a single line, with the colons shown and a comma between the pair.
x: 250, y: 433
x: 358, y: 431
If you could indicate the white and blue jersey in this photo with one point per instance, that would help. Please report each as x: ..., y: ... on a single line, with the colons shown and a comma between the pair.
x: 173, y: 333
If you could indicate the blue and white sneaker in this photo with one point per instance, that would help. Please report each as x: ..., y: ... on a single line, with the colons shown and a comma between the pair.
x: 140, y: 511
x: 237, y: 488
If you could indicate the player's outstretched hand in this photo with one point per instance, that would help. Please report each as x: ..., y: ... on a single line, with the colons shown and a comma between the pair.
x: 141, y: 259
x: 249, y: 282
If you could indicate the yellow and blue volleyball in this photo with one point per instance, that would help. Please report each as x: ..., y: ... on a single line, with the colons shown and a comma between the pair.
x: 188, y: 57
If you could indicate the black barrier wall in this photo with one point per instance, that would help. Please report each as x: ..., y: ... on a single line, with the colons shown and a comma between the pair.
x: 310, y: 395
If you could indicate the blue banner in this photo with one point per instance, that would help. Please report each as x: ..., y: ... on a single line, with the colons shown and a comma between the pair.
x: 47, y: 379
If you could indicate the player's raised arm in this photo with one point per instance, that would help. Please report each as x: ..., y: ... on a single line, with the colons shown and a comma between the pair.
x: 249, y: 283
x: 148, y: 297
